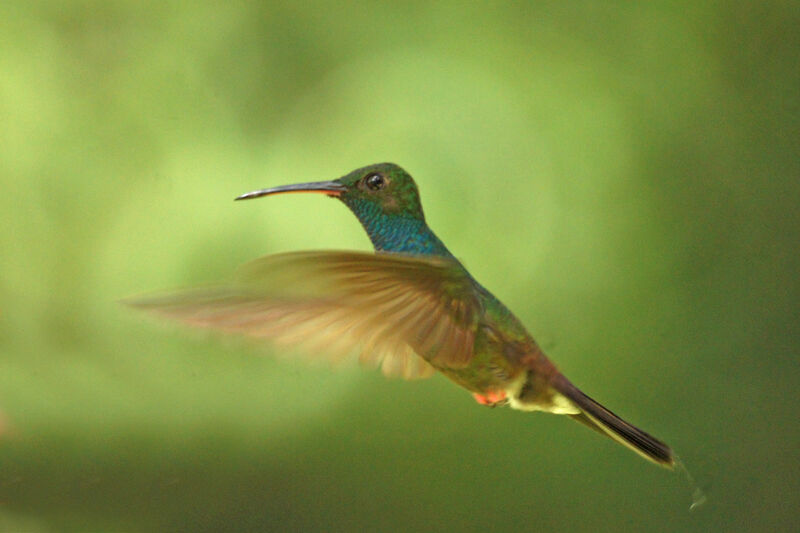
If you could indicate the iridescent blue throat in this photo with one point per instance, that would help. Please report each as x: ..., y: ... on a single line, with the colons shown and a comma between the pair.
x: 397, y: 233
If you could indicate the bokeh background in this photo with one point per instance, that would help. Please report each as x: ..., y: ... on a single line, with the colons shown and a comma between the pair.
x: 625, y: 177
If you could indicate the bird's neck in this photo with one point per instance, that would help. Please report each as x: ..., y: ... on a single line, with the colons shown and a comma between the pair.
x: 399, y: 233
x: 409, y: 235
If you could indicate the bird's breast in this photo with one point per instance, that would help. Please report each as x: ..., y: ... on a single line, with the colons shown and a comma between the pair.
x: 489, y: 369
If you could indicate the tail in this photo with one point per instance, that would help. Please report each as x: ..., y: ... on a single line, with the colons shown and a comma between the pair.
x: 600, y: 419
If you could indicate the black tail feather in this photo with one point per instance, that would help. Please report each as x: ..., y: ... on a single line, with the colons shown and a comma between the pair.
x: 604, y: 421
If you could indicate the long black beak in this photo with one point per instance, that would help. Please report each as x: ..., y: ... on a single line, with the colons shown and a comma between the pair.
x: 331, y: 188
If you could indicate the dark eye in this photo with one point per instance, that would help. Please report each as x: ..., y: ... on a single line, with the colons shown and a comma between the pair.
x: 375, y: 181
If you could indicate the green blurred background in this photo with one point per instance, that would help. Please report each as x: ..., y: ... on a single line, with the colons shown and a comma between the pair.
x: 625, y: 177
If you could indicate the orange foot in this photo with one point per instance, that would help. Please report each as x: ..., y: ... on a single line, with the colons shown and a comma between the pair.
x: 491, y: 398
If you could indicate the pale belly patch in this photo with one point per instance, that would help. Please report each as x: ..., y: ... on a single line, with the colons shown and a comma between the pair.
x: 548, y: 401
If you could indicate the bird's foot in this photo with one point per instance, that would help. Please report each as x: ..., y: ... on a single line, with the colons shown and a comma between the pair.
x: 491, y: 398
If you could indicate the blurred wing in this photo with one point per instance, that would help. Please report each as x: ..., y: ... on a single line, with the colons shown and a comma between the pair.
x: 394, y: 307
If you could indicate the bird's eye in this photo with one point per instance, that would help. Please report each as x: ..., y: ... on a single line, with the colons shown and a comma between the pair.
x: 375, y: 182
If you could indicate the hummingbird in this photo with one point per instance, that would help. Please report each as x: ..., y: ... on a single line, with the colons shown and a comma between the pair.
x: 411, y: 309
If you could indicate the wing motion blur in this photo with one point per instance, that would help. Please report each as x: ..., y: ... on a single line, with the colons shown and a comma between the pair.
x: 402, y: 312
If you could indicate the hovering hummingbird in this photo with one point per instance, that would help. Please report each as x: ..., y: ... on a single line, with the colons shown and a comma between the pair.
x: 411, y: 308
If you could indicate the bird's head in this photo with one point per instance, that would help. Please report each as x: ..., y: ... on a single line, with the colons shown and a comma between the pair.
x: 375, y: 191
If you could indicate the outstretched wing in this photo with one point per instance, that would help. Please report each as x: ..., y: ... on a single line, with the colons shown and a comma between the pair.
x: 403, y: 312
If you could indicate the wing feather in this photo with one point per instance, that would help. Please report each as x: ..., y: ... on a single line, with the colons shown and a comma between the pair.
x: 404, y: 313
